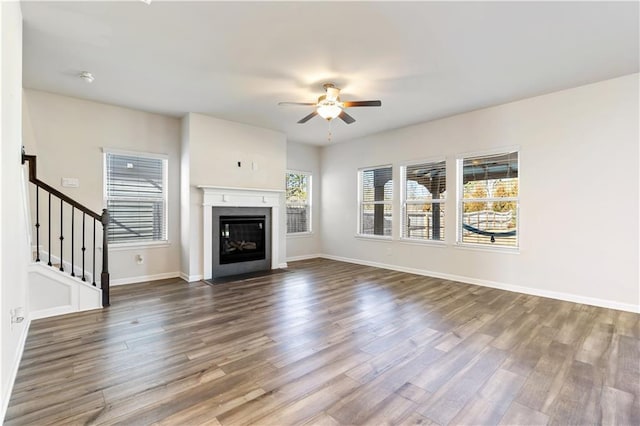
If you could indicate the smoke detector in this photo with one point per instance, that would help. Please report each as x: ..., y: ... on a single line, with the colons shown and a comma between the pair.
x: 86, y: 76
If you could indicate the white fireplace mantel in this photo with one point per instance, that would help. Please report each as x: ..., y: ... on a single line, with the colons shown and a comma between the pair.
x: 219, y: 196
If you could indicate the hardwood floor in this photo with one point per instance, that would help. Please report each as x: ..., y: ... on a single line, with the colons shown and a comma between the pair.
x: 330, y: 343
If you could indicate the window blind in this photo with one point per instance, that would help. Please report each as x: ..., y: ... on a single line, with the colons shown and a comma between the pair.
x: 488, y: 206
x: 480, y: 173
x: 424, y: 198
x: 376, y: 198
x: 372, y: 182
x: 136, y: 198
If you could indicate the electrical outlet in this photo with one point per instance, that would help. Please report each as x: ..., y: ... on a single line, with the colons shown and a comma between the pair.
x: 16, y: 316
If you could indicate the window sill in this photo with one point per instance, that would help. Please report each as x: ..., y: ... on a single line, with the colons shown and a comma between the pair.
x: 431, y: 243
x: 381, y: 238
x: 475, y: 247
x: 144, y: 245
x: 300, y: 235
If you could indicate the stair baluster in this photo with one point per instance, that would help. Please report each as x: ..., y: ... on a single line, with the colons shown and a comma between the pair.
x: 83, y: 246
x: 61, y: 237
x: 73, y: 272
x: 94, y: 253
x: 50, y: 264
x: 37, y: 223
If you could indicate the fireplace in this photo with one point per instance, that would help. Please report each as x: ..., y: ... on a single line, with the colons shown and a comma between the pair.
x: 223, y: 201
x: 241, y: 239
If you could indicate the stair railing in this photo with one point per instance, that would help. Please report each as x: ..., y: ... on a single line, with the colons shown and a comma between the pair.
x: 102, y: 219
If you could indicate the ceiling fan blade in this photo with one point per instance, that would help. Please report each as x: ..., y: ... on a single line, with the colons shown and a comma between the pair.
x: 296, y: 103
x: 346, y: 117
x: 348, y: 104
x: 308, y: 117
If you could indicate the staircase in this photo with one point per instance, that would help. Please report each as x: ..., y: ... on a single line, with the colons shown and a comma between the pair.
x: 67, y: 251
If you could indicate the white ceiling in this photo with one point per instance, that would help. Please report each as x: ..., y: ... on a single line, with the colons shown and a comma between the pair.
x: 237, y: 60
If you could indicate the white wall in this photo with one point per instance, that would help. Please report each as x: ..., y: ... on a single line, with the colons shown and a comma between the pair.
x: 68, y: 135
x: 14, y: 241
x: 215, y: 148
x: 578, y: 169
x: 306, y: 158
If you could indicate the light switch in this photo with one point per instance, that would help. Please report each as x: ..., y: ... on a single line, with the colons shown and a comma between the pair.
x: 70, y: 182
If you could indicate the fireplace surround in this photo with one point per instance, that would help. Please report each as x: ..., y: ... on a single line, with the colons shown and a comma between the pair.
x: 215, y: 197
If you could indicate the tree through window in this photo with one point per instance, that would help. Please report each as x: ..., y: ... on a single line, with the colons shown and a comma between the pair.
x: 298, y: 202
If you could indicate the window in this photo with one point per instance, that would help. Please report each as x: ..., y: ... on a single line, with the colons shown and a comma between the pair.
x: 298, y: 202
x: 424, y: 193
x: 488, y: 204
x: 376, y: 198
x: 135, y: 191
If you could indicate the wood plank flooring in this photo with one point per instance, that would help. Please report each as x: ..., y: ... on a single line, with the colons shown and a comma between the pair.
x: 330, y: 343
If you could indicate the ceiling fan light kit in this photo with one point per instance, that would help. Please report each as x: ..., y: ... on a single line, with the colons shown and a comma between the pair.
x: 329, y: 111
x: 329, y: 105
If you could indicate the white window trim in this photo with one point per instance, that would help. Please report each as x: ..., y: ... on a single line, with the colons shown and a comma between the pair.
x: 135, y: 153
x: 135, y: 245
x: 309, y: 204
x: 417, y: 242
x: 370, y: 237
x: 403, y: 201
x: 165, y: 185
x: 358, y: 233
x: 300, y: 234
x: 459, y: 200
x: 491, y: 249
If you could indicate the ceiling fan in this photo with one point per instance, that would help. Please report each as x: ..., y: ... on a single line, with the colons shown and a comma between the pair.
x: 329, y: 105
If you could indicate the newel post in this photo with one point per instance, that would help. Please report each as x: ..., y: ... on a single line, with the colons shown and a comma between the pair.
x: 104, y: 277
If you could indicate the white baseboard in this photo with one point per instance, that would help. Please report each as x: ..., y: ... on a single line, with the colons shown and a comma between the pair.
x: 282, y: 265
x: 14, y: 370
x: 568, y: 297
x: 143, y: 278
x: 303, y: 257
x: 191, y: 278
x: 50, y: 312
